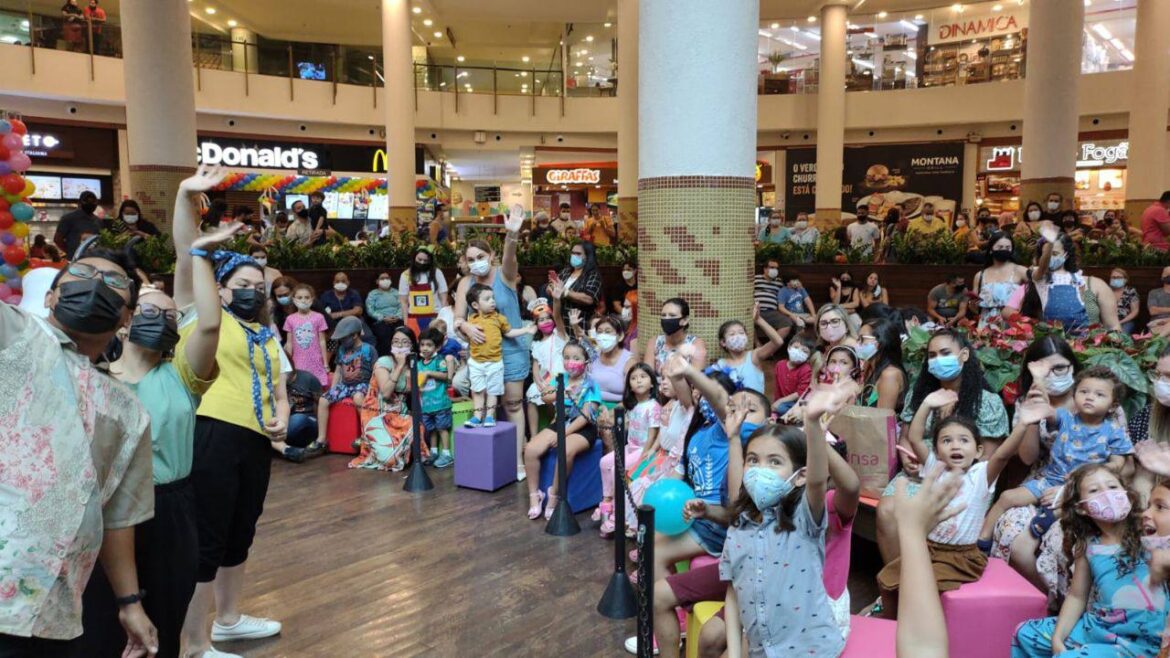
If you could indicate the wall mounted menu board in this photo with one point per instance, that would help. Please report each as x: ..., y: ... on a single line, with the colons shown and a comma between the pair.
x: 54, y: 187
x: 487, y: 193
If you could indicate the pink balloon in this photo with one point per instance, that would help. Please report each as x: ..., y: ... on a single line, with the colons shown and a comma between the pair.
x: 12, y: 142
x: 19, y: 162
x: 15, y: 299
x: 5, y: 291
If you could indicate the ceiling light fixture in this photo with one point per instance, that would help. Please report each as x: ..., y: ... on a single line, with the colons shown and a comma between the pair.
x: 428, y: 22
x: 609, y: 24
x: 525, y: 59
x: 995, y: 7
x: 210, y: 10
x: 883, y: 14
x: 232, y: 23
x: 461, y: 58
x: 919, y: 17
x: 959, y: 7
x: 438, y: 34
x: 775, y: 26
x: 417, y: 10
x: 812, y: 19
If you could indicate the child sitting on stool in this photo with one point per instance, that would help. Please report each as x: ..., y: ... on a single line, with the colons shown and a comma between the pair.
x: 486, y: 366
x: 351, y: 379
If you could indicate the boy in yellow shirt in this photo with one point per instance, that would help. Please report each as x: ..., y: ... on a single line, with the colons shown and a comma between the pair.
x: 485, y: 368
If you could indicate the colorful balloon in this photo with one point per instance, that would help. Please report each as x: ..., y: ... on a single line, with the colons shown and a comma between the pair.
x: 5, y: 291
x: 19, y: 230
x: 13, y: 142
x: 6, y: 220
x: 668, y: 497
x: 14, y: 284
x: 12, y: 183
x: 21, y: 212
x: 30, y: 188
x: 8, y: 271
x: 5, y: 127
x: 7, y: 238
x: 14, y: 254
x: 19, y: 162
x: 18, y: 126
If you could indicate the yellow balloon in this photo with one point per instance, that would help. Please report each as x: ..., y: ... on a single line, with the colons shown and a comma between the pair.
x: 19, y: 229
x: 29, y: 188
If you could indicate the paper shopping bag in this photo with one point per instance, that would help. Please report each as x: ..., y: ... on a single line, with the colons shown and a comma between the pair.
x: 870, y: 436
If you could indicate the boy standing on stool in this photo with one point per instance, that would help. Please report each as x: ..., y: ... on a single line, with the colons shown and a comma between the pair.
x: 486, y: 365
x: 434, y: 373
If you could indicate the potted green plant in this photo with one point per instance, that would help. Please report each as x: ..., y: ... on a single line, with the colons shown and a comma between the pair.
x: 774, y: 58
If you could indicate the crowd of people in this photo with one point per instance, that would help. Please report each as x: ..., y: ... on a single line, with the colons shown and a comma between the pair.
x: 241, y: 363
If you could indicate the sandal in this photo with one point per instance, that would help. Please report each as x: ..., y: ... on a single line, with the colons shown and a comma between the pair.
x: 1040, y: 523
x: 605, y: 511
x: 536, y: 501
x: 551, y: 506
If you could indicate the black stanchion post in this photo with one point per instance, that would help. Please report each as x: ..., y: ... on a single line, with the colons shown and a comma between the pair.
x: 562, y: 523
x: 645, y: 581
x: 618, y: 600
x: 417, y: 480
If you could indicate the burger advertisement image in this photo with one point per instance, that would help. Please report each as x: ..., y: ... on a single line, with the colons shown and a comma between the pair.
x: 881, y: 177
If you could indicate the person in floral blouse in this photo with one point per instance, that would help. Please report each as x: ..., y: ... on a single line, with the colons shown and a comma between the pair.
x: 75, y: 463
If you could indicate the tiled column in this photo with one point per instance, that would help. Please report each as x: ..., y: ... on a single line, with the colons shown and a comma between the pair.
x: 831, y: 116
x: 398, y: 99
x: 1050, y: 99
x: 1147, y: 170
x: 696, y: 159
x: 628, y: 121
x: 160, y: 102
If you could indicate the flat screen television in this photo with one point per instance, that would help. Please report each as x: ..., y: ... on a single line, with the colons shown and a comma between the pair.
x: 311, y: 70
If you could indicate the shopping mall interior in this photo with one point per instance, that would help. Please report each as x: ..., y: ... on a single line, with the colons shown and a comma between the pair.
x: 674, y: 139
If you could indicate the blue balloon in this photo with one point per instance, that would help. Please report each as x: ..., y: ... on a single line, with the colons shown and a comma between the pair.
x: 8, y: 271
x: 668, y: 497
x: 5, y: 127
x: 21, y: 211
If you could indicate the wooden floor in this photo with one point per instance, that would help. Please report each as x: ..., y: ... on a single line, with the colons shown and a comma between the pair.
x: 353, y: 566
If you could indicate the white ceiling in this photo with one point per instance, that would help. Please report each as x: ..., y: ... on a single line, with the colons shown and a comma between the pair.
x: 485, y: 164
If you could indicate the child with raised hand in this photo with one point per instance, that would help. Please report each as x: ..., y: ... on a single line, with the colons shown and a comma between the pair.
x: 547, y: 345
x: 306, y: 329
x: 1092, y: 435
x: 1115, y: 605
x: 486, y: 366
x: 955, y: 557
x: 663, y: 450
x: 747, y: 367
x: 778, y: 520
x: 434, y: 373
x: 642, y: 422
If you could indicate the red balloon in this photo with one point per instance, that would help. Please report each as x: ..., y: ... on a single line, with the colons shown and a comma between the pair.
x: 4, y: 204
x: 12, y: 183
x: 14, y: 255
x: 6, y: 220
x: 18, y: 126
x: 4, y: 153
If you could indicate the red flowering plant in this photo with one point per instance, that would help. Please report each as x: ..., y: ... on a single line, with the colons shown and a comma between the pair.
x: 1000, y: 347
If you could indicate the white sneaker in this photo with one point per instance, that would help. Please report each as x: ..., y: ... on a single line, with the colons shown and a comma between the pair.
x: 632, y: 645
x: 215, y: 653
x: 247, y: 628
x: 521, y: 474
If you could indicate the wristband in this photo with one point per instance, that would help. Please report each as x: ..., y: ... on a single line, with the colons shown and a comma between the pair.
x: 131, y: 599
x: 199, y: 253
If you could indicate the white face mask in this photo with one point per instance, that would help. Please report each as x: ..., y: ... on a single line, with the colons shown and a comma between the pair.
x: 961, y: 223
x: 130, y: 219
x: 797, y: 355
x: 304, y: 306
x: 1162, y: 392
x: 773, y: 273
x: 800, y: 226
x: 627, y: 314
x: 479, y: 267
x: 341, y: 287
x: 1053, y: 206
x: 627, y: 275
x: 606, y: 342
x: 384, y: 284
x: 262, y: 262
x: 1033, y: 215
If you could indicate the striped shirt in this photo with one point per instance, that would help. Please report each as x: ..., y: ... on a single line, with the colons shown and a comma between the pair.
x: 766, y: 291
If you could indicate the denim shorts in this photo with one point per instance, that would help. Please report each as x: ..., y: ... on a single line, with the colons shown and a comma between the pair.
x: 439, y: 420
x: 709, y: 535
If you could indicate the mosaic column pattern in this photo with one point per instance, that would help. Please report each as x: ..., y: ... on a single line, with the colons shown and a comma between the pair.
x: 1148, y: 142
x: 398, y: 97
x: 1050, y: 99
x: 628, y: 121
x: 696, y: 160
x: 160, y: 103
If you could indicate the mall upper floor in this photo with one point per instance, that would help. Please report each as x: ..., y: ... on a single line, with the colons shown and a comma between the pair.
x: 952, y: 44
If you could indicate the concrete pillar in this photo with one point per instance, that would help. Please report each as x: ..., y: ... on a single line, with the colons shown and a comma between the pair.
x: 398, y: 100
x: 970, y: 172
x: 627, y: 25
x: 160, y: 102
x: 1050, y: 99
x: 831, y: 116
x: 1147, y: 171
x: 245, y: 55
x: 696, y: 160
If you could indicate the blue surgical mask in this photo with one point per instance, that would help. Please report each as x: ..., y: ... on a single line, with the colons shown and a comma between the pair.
x: 1056, y: 261
x: 944, y: 368
x: 746, y: 429
x: 284, y: 301
x: 866, y: 350
x: 1059, y: 385
x: 765, y: 487
x: 576, y: 261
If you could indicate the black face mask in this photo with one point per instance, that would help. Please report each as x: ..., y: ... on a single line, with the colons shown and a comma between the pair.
x: 1001, y: 255
x: 303, y: 214
x: 89, y: 207
x: 863, y: 218
x: 88, y: 306
x: 160, y: 334
x: 1069, y: 223
x: 671, y: 325
x: 420, y: 267
x: 846, y: 283
x: 246, y: 303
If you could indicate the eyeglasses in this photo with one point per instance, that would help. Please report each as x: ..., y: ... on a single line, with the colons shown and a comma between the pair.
x: 151, y: 311
x: 831, y: 322
x: 1060, y: 371
x: 110, y: 278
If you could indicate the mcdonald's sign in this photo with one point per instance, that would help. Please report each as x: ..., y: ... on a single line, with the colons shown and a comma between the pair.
x: 380, y: 154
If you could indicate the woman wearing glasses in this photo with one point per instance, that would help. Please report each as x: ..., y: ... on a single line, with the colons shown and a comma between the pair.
x: 242, y: 418
x: 833, y: 330
x: 1027, y: 537
x: 168, y: 375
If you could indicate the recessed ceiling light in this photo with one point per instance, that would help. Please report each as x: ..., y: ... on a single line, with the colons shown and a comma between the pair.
x: 583, y: 52
x: 417, y: 10
x: 370, y: 56
x: 589, y: 38
x: 232, y: 23
x: 959, y: 7
x: 428, y: 22
x: 461, y: 58
x: 775, y: 26
x: 918, y: 17
x: 609, y: 24
x: 812, y: 19
x: 210, y: 10
x: 883, y: 14
x: 438, y: 35
x: 525, y: 58
x: 995, y: 7
x: 578, y: 64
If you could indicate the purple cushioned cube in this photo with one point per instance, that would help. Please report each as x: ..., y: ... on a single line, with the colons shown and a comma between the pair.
x: 486, y: 456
